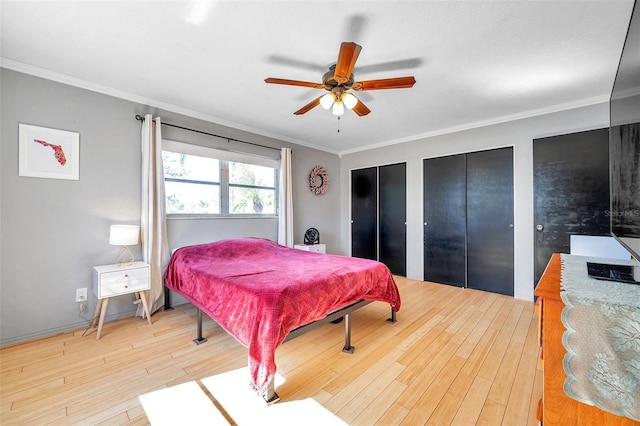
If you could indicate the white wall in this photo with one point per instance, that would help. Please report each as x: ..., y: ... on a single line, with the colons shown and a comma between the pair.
x: 519, y: 134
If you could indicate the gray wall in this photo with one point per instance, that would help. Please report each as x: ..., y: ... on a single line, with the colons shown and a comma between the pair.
x: 54, y: 231
x: 517, y: 133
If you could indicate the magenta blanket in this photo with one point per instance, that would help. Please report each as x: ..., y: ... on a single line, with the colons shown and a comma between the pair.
x: 259, y: 291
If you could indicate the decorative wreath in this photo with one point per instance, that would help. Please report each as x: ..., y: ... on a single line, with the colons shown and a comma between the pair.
x: 321, y: 188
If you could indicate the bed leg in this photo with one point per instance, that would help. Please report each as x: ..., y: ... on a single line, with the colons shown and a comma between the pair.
x: 347, y: 335
x: 270, y: 396
x: 199, y: 339
x: 167, y: 300
x: 393, y: 316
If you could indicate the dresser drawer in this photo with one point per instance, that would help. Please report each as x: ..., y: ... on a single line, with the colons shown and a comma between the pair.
x: 124, y: 286
x: 128, y: 275
x: 539, y: 309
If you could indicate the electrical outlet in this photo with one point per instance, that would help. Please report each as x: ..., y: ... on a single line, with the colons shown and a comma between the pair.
x: 81, y: 294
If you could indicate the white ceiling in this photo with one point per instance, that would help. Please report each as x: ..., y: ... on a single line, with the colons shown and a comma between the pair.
x: 475, y: 62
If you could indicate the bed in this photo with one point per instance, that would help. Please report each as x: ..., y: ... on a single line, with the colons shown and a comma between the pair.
x: 260, y: 293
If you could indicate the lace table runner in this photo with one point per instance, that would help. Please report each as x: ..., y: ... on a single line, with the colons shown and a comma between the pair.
x: 602, y: 338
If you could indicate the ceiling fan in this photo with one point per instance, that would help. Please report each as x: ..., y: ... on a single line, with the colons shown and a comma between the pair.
x: 339, y: 80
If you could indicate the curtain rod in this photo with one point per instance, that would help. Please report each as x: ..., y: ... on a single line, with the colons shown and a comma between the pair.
x: 140, y: 118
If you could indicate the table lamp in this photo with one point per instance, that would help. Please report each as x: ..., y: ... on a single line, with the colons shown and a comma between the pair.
x: 124, y: 236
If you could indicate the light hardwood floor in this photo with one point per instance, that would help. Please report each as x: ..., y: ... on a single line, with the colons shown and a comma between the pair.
x: 455, y: 356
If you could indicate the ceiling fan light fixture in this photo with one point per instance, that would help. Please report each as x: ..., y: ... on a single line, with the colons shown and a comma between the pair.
x: 349, y: 100
x: 339, y: 80
x: 327, y: 100
x: 338, y: 108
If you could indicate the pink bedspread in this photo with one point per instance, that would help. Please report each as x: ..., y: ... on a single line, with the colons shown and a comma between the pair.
x: 259, y: 291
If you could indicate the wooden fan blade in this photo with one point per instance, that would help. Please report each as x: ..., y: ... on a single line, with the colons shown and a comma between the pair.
x: 361, y: 109
x: 347, y: 57
x: 385, y: 83
x: 314, y: 103
x: 294, y: 83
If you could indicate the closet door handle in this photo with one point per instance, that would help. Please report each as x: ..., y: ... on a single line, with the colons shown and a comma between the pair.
x: 539, y: 227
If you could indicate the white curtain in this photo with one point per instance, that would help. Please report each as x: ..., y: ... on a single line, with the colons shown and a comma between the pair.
x: 155, y: 247
x: 285, y: 208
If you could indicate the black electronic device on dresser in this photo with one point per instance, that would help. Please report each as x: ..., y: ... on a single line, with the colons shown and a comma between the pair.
x: 609, y: 272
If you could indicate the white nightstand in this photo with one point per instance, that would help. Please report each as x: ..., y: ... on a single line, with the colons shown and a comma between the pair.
x: 318, y: 248
x: 113, y: 280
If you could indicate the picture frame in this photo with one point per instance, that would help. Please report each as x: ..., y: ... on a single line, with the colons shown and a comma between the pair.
x: 48, y: 153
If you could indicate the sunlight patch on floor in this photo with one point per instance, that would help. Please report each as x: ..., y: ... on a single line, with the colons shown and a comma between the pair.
x: 245, y: 407
x: 185, y: 404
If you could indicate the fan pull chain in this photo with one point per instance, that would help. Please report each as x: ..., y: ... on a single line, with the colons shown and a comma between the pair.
x: 338, y: 124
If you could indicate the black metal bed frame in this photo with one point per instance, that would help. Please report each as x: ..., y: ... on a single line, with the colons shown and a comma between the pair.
x: 270, y: 396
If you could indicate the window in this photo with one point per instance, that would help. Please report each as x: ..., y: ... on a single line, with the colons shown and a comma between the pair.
x: 205, y: 181
x: 251, y: 189
x: 191, y: 183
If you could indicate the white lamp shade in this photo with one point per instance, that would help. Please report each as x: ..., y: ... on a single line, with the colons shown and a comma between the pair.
x: 327, y: 100
x: 349, y: 100
x: 338, y: 108
x: 124, y: 235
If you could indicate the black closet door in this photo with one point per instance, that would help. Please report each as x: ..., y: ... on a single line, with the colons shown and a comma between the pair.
x: 393, y: 216
x: 364, y: 213
x: 490, y: 221
x: 445, y: 220
x: 570, y: 190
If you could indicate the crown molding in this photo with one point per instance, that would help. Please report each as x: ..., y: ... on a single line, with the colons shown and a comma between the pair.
x: 154, y: 103
x: 484, y: 123
x: 83, y: 84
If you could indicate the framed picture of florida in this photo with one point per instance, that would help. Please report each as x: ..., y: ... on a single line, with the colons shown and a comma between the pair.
x: 49, y: 153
